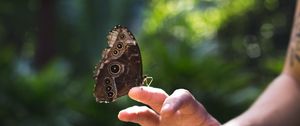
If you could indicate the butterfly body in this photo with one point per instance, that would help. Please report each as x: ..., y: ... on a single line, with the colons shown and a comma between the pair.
x: 120, y: 68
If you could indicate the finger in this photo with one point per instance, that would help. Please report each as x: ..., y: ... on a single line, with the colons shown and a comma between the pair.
x: 154, y: 97
x: 183, y: 101
x: 139, y: 114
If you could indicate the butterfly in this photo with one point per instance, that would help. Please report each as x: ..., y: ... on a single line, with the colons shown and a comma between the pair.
x: 120, y: 68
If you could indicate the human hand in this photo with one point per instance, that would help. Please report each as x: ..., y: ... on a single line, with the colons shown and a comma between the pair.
x: 178, y: 109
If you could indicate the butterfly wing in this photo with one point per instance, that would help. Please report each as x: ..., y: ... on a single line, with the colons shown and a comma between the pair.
x: 120, y: 68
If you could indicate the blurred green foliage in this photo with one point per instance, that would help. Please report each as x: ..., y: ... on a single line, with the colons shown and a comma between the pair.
x: 224, y: 51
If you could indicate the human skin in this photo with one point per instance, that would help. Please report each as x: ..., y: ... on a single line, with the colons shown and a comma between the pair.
x: 278, y: 105
x: 177, y: 109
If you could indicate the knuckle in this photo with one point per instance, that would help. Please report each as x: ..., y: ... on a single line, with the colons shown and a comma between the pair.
x: 184, y: 92
x: 187, y: 95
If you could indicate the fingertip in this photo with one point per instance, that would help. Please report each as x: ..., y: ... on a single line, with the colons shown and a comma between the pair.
x: 120, y: 116
x: 129, y: 114
x: 143, y: 94
x: 153, y: 97
x: 139, y: 114
x: 123, y: 116
x: 134, y: 91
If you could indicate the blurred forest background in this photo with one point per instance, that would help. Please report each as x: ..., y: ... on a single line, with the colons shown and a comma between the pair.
x: 224, y: 51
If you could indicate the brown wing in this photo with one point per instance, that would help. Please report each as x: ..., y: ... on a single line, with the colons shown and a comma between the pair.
x: 120, y: 68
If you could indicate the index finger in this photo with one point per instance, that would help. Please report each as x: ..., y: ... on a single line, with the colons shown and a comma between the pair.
x: 154, y: 97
